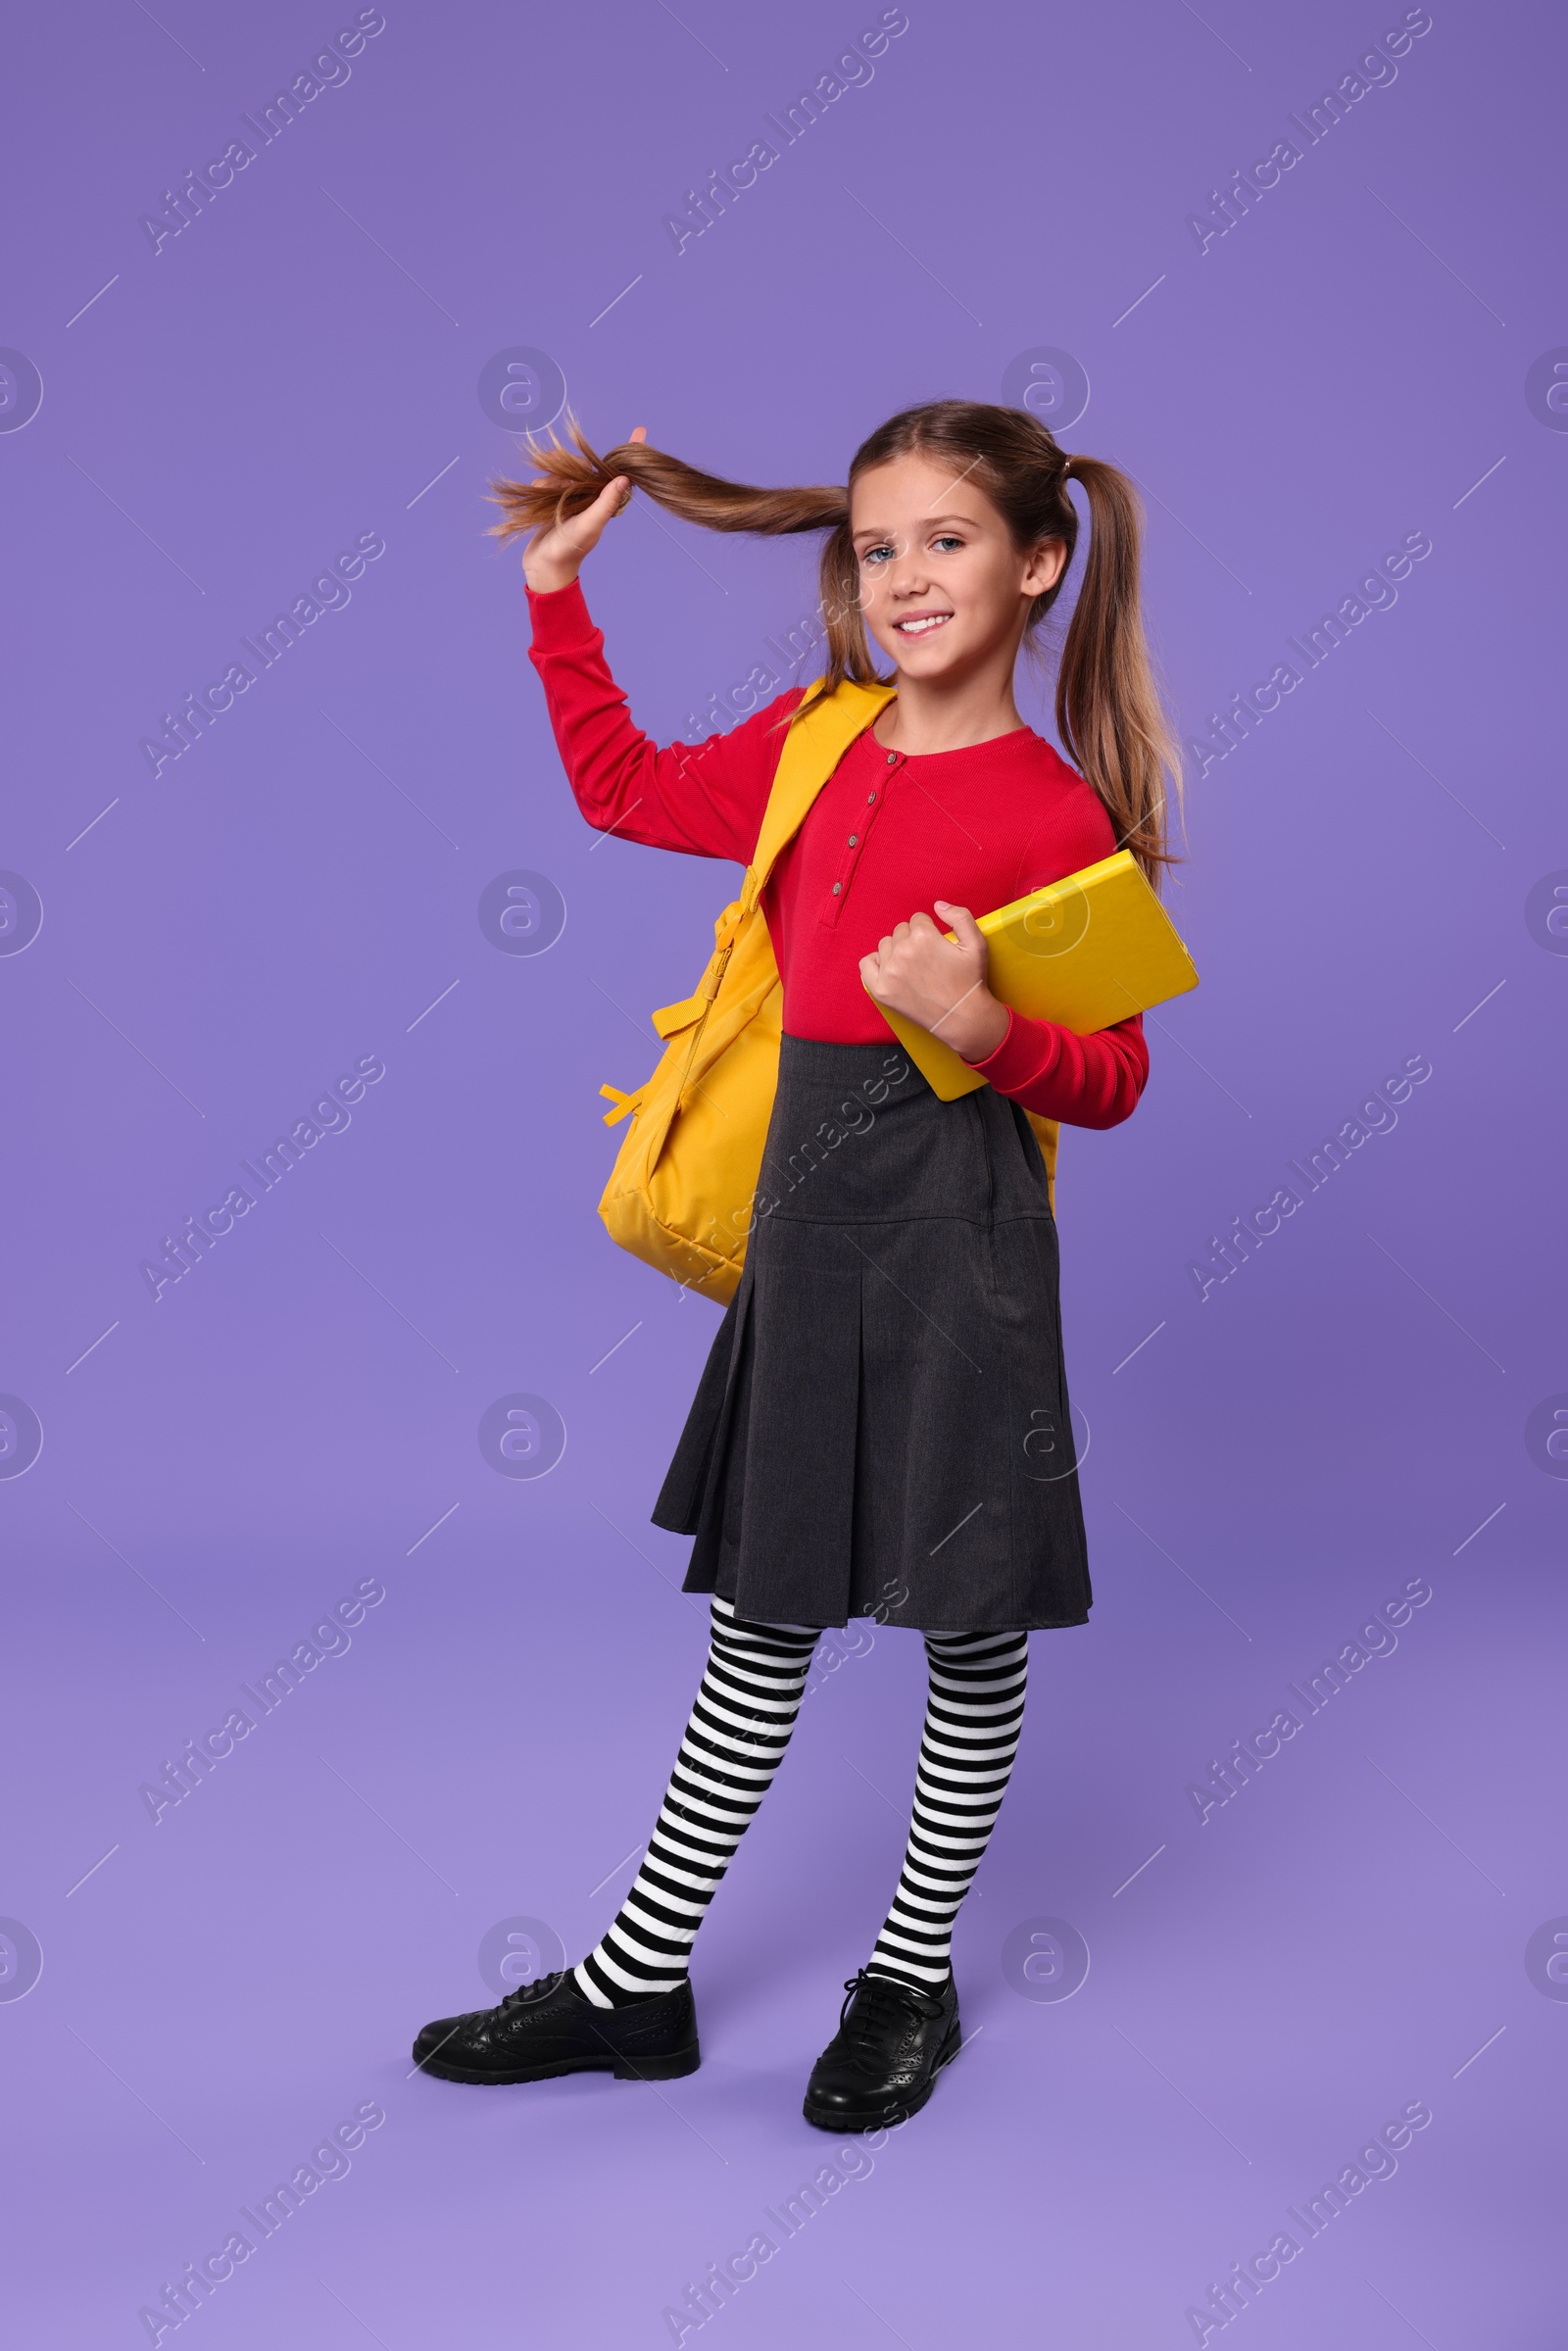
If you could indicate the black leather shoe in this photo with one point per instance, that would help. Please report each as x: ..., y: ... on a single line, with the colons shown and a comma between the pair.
x: 882, y: 2063
x: 548, y: 2028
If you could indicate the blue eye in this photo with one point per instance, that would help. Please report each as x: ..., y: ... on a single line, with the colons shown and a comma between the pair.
x: 944, y: 541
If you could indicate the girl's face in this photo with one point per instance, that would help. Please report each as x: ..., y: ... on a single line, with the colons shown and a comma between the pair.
x: 943, y: 587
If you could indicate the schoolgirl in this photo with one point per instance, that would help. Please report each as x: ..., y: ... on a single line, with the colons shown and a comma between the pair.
x: 883, y: 1424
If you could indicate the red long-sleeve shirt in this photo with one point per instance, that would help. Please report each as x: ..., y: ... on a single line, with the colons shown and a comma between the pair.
x: 886, y: 836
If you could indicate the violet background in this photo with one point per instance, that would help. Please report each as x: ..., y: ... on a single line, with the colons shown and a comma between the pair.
x: 300, y: 365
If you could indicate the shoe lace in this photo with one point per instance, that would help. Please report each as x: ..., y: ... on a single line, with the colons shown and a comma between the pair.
x: 869, y: 1998
x: 539, y: 1990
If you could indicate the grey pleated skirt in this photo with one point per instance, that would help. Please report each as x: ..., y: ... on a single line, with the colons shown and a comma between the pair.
x: 882, y: 1428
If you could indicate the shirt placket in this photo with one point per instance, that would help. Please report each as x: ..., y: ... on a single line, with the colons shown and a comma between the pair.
x: 874, y: 799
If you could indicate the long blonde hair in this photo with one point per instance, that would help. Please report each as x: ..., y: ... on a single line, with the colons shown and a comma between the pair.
x: 1110, y: 715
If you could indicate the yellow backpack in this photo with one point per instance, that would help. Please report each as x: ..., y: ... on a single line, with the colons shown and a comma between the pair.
x: 681, y: 1191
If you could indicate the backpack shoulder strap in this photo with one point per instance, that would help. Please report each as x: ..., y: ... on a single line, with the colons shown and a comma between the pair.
x: 822, y: 731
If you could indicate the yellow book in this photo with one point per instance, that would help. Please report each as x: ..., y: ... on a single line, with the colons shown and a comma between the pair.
x: 1085, y: 952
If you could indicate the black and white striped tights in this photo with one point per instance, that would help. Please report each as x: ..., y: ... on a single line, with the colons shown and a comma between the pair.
x: 740, y: 1726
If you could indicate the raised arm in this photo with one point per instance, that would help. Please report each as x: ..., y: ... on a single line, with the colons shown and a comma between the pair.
x: 707, y: 798
x: 704, y: 797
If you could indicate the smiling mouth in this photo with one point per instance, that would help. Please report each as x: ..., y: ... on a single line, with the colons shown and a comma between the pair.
x: 921, y: 625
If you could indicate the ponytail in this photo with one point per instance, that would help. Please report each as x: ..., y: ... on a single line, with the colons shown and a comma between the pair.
x: 571, y: 479
x: 1110, y: 716
x: 1108, y: 711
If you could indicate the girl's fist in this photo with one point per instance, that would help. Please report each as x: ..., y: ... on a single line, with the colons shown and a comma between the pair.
x: 939, y: 982
x: 554, y: 555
